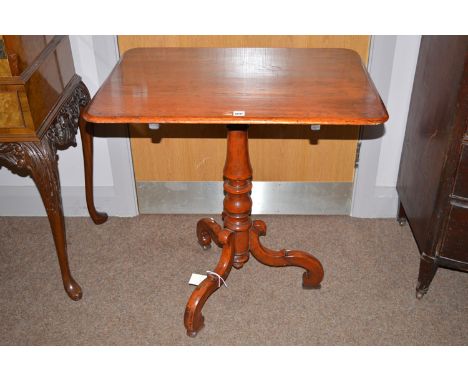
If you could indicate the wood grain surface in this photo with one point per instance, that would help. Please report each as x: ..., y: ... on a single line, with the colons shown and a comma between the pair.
x: 264, y: 85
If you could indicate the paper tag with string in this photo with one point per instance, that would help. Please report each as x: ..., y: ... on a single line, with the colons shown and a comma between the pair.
x: 196, y: 279
x: 219, y: 278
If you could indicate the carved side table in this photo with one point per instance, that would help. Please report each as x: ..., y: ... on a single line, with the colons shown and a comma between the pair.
x: 41, y: 99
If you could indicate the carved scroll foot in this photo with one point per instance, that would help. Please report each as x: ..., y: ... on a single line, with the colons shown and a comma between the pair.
x: 313, y: 275
x: 87, y: 132
x: 193, y: 318
x: 207, y: 230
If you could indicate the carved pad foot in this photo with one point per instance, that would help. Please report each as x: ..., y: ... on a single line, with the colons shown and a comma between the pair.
x: 99, y: 217
x: 73, y: 290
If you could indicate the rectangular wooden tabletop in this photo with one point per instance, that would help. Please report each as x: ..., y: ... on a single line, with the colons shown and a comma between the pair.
x: 238, y: 85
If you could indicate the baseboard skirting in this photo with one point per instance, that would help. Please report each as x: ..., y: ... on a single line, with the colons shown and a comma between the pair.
x: 206, y: 198
x: 26, y: 201
x: 288, y: 198
x: 380, y: 202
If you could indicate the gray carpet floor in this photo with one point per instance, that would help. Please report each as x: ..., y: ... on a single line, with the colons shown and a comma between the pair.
x: 134, y: 273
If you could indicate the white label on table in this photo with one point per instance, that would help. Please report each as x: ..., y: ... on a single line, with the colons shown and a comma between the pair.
x: 238, y: 113
x: 196, y: 279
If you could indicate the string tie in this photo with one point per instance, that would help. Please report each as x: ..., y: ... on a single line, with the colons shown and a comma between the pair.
x: 219, y: 278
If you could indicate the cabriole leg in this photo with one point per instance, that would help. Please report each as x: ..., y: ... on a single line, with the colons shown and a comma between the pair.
x: 42, y: 163
x: 86, y: 131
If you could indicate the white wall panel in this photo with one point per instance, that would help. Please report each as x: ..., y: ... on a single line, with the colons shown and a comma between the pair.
x: 399, y: 97
x: 392, y: 63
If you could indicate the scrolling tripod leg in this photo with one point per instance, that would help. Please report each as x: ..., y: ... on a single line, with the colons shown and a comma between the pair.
x: 313, y: 274
x: 193, y: 318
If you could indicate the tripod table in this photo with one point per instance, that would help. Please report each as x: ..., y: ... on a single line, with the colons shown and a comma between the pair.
x: 238, y: 87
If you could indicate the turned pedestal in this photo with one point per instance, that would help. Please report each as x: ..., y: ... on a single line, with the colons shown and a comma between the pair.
x: 239, y: 236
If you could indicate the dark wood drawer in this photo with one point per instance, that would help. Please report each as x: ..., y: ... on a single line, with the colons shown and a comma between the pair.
x: 455, y: 244
x: 460, y: 188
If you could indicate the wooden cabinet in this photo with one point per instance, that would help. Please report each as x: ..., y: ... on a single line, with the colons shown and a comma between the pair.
x: 433, y: 178
x: 41, y: 98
